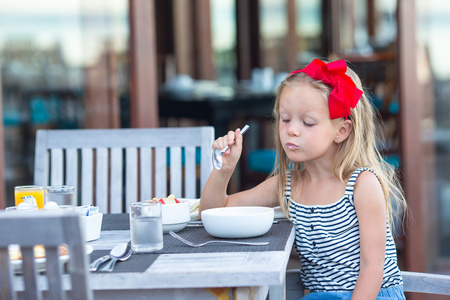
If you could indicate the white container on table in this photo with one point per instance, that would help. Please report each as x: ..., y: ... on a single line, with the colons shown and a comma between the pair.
x: 92, y: 226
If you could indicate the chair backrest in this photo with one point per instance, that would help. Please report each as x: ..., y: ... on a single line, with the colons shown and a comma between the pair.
x: 49, y: 229
x: 116, y: 167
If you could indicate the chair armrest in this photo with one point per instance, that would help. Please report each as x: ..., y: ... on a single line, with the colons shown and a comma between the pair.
x: 412, y: 282
x: 426, y: 283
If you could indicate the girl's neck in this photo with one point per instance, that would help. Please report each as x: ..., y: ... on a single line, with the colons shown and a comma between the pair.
x: 317, y: 186
x: 318, y: 171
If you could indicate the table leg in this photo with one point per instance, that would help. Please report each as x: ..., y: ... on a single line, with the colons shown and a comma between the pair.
x: 278, y: 292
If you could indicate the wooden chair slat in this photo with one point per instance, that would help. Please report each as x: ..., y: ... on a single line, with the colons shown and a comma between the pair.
x: 116, y: 185
x: 190, y: 173
x: 175, y: 171
x: 54, y: 272
x: 206, y: 160
x: 146, y: 174
x: 160, y: 172
x: 56, y: 172
x: 6, y: 275
x: 30, y: 273
x: 72, y: 169
x: 101, y: 183
x: 131, y: 177
x: 41, y: 159
x: 87, y: 176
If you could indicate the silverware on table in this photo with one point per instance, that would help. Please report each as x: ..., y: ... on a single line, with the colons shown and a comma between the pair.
x: 120, y: 252
x: 96, y: 263
x: 189, y: 243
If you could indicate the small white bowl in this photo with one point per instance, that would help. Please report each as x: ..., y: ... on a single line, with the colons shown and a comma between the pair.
x: 238, y: 222
x: 175, y: 216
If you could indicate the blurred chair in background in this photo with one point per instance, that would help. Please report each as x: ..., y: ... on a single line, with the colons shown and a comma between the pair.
x: 112, y: 168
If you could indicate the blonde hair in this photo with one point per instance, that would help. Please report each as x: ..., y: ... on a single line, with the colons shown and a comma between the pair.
x: 358, y: 150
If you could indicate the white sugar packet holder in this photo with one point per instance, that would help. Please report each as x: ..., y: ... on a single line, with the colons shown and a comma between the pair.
x: 91, y: 221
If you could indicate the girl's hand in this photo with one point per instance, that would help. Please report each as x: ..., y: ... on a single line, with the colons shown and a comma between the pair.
x: 232, y: 155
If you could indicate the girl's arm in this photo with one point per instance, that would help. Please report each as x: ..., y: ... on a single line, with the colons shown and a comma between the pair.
x: 371, y: 212
x: 214, y: 193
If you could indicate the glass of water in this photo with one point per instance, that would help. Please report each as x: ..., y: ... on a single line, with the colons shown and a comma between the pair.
x: 61, y: 194
x: 146, y: 226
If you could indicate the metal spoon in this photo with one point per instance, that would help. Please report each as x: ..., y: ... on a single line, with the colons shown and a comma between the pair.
x: 120, y: 252
x: 217, y: 153
x: 96, y: 263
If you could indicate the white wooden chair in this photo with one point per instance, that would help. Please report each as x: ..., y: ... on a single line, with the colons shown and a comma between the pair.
x: 414, y: 282
x: 50, y: 229
x: 114, y: 167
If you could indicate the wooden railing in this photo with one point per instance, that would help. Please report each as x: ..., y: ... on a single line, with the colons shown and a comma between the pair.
x: 412, y: 282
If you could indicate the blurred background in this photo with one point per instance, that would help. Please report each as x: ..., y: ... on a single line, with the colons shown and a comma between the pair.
x: 139, y: 63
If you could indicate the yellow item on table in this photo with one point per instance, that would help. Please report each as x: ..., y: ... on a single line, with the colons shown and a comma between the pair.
x: 32, y: 194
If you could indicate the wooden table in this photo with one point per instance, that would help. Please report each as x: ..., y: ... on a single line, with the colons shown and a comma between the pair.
x: 246, y: 274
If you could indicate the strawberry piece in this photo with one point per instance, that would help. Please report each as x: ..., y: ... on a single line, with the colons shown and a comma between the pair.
x: 162, y: 201
x: 177, y: 201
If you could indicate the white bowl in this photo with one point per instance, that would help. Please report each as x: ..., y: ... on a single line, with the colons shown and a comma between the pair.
x: 175, y: 216
x: 238, y: 222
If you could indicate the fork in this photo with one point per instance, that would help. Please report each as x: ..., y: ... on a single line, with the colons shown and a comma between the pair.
x: 189, y: 243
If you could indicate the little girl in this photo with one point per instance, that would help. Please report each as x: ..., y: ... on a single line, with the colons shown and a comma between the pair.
x: 330, y: 181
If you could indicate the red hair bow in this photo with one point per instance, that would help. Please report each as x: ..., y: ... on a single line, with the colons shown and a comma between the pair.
x: 344, y: 92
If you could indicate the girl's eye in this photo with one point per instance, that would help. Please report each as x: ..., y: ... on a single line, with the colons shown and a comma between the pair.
x: 307, y: 124
x: 285, y: 120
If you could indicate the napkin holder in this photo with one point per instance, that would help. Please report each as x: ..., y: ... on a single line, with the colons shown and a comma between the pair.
x: 92, y: 226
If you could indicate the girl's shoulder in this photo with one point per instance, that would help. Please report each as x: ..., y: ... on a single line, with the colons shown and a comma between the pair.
x: 368, y: 186
x: 362, y: 175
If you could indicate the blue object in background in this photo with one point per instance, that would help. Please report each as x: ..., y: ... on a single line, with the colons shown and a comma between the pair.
x: 394, y: 107
x: 393, y: 160
x: 39, y: 111
x: 261, y: 160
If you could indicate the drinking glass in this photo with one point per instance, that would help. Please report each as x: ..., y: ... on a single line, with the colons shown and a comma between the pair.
x: 61, y: 194
x: 146, y: 226
x: 32, y: 194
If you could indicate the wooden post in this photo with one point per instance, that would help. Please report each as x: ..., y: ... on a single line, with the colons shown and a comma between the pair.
x: 112, y: 87
x: 292, y: 40
x: 143, y: 65
x: 101, y: 99
x: 2, y: 154
x: 247, y: 23
x: 184, y: 37
x: 203, y: 40
x: 411, y: 149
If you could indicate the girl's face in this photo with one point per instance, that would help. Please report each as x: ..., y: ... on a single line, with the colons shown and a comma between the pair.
x: 306, y: 130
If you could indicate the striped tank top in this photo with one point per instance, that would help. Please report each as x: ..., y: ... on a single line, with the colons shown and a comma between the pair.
x: 327, y: 241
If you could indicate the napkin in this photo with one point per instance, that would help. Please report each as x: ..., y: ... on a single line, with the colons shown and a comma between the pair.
x: 194, y: 203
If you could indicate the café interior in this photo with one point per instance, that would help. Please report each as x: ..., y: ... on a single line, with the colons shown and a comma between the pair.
x: 146, y: 64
